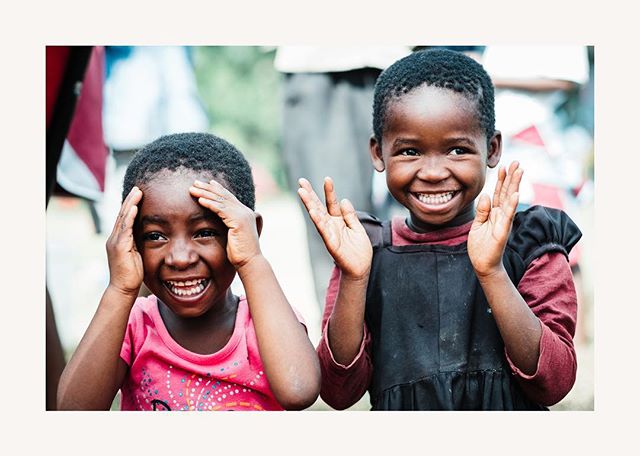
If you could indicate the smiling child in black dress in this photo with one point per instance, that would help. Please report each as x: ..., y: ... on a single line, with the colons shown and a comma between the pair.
x: 457, y: 307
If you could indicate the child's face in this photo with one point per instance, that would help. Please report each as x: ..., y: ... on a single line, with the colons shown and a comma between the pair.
x: 435, y: 155
x: 183, y: 245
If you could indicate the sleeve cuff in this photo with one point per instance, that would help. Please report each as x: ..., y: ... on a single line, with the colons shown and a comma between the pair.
x: 325, y: 342
x: 541, y: 349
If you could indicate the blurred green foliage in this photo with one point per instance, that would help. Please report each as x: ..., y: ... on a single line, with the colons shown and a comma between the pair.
x: 241, y: 91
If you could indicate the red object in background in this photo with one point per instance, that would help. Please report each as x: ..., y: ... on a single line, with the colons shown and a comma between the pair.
x: 65, y: 69
x: 82, y: 167
x: 530, y: 135
x: 57, y: 60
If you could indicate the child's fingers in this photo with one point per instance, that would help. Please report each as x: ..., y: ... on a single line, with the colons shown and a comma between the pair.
x: 505, y: 185
x: 304, y: 183
x: 121, y: 239
x: 507, y: 188
x: 321, y: 221
x: 333, y: 207
x: 483, y: 209
x: 213, y: 190
x: 317, y: 219
x: 131, y: 200
x: 499, y: 182
x: 349, y: 216
x: 514, y: 185
x: 511, y: 205
x: 223, y: 191
x: 126, y: 228
x: 309, y: 197
x: 214, y: 205
x: 316, y: 210
x: 207, y: 195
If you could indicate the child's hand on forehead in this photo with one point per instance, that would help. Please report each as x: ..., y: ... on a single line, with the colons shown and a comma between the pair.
x: 492, y: 224
x: 242, y: 237
x: 125, y: 263
x: 342, y: 233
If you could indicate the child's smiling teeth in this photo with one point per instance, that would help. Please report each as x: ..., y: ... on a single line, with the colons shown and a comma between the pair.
x: 187, y: 288
x: 435, y: 198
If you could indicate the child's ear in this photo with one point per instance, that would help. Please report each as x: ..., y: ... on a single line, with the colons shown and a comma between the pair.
x: 259, y: 223
x: 495, y: 150
x: 375, y: 149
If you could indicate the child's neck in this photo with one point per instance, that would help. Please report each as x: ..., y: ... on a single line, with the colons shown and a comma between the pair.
x: 463, y: 217
x: 207, y: 333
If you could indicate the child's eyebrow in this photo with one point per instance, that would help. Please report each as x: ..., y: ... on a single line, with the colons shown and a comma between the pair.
x: 200, y: 216
x: 458, y: 140
x: 401, y: 141
x: 152, y: 220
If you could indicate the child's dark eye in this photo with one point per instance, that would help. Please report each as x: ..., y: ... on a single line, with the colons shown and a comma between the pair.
x: 153, y: 236
x: 409, y: 152
x: 458, y: 151
x: 206, y: 233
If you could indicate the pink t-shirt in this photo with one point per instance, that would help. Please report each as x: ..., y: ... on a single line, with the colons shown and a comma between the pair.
x: 165, y: 376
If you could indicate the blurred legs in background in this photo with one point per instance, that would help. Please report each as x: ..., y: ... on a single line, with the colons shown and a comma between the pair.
x: 327, y: 126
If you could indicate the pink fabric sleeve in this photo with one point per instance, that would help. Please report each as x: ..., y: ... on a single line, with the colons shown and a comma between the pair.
x: 127, y: 350
x: 342, y: 386
x: 134, y: 334
x: 547, y: 287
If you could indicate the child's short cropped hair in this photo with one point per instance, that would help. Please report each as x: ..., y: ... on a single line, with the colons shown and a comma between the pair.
x: 197, y: 152
x: 439, y: 68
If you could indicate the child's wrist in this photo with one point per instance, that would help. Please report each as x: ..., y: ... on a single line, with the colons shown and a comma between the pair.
x: 124, y: 292
x: 497, y: 273
x: 255, y: 262
x: 356, y: 278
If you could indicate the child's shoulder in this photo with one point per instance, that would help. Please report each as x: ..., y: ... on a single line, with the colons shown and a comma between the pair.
x: 539, y: 229
x: 372, y: 225
x: 145, y: 308
x: 146, y: 303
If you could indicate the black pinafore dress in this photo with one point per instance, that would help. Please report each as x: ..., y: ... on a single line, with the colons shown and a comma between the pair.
x: 435, y: 343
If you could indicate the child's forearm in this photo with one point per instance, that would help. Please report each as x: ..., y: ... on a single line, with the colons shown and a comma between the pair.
x: 289, y: 359
x: 346, y: 323
x: 94, y: 374
x: 520, y: 329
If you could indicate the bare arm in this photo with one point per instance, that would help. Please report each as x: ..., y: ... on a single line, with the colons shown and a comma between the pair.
x: 94, y: 374
x: 289, y: 359
x: 348, y: 243
x: 520, y: 329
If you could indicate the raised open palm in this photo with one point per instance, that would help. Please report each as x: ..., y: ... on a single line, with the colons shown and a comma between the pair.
x: 344, y: 236
x: 125, y: 263
x: 492, y: 224
x: 242, y: 237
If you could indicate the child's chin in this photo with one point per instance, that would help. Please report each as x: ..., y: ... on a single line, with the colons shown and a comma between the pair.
x: 190, y: 312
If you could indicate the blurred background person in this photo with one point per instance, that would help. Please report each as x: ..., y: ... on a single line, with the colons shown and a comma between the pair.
x: 326, y: 112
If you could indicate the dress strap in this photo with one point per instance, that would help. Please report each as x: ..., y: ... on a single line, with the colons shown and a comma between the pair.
x: 386, y: 233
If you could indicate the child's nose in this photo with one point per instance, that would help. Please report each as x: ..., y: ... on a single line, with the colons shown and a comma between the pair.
x: 433, y: 168
x: 181, y: 255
